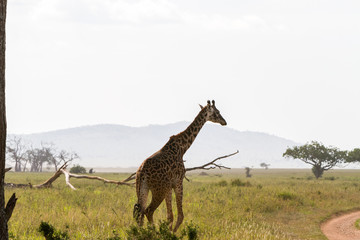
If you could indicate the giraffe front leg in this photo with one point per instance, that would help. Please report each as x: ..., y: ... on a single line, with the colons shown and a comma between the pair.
x: 170, y: 216
x: 179, y: 195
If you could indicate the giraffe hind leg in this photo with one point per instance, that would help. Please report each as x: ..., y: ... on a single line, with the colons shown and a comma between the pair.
x: 170, y: 216
x: 179, y: 196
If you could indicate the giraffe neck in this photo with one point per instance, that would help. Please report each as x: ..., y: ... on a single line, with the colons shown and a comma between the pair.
x: 187, y: 137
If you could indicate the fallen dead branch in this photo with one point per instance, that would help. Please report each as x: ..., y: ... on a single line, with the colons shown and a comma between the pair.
x: 212, y: 164
x: 70, y: 175
x: 62, y: 170
x: 46, y: 184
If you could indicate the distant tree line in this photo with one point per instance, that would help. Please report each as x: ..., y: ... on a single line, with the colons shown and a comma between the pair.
x: 29, y: 158
x: 322, y: 158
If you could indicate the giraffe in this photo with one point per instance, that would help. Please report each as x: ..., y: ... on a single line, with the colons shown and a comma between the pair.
x: 164, y: 171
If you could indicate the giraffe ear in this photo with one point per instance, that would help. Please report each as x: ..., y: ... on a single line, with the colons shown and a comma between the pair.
x: 201, y: 106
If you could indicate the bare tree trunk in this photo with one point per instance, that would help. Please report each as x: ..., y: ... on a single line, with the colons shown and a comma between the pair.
x: 3, y: 216
x: 17, y: 166
x: 24, y: 168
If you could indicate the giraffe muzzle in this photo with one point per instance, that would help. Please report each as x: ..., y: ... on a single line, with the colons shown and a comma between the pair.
x: 223, y: 123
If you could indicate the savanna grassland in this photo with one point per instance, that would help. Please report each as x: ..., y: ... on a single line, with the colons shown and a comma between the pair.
x: 273, y: 204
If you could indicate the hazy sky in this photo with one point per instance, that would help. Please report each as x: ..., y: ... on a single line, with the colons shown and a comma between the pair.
x: 288, y: 68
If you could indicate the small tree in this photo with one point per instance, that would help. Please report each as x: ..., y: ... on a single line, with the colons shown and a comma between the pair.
x: 64, y: 156
x: 316, y: 154
x: 264, y: 165
x: 247, y: 172
x: 16, y: 151
x: 38, y: 156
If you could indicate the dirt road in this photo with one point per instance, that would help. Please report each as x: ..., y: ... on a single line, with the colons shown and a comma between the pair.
x: 342, y: 227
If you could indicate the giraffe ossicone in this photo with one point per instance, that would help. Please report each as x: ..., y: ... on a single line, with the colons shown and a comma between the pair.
x: 164, y: 171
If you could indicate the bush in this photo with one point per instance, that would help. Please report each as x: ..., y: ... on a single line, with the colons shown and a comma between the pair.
x: 357, y: 224
x: 151, y: 233
x: 332, y: 178
x: 191, y: 231
x: 222, y: 183
x: 50, y: 233
x: 162, y: 233
x: 286, y: 196
x: 239, y: 183
x: 77, y: 169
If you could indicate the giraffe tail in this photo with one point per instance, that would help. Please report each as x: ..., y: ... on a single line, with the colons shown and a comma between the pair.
x: 138, y: 213
x: 137, y: 206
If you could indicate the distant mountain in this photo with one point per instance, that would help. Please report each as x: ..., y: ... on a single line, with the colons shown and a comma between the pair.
x: 122, y: 146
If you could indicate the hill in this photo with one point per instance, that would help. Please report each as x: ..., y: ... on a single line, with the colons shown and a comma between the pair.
x: 122, y: 146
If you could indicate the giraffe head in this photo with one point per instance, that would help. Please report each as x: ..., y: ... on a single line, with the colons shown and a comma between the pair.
x: 213, y: 114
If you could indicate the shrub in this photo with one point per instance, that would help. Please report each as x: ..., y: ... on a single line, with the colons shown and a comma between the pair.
x: 286, y: 196
x: 357, y: 224
x: 50, y: 233
x: 77, y: 169
x: 222, y: 183
x: 150, y: 232
x: 332, y: 178
x: 203, y: 174
x: 239, y: 183
x: 191, y: 231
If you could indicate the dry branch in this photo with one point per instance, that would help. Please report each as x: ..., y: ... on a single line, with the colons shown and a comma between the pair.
x: 45, y: 184
x: 131, y: 177
x: 56, y: 175
x: 70, y: 175
x: 67, y: 179
x: 212, y: 164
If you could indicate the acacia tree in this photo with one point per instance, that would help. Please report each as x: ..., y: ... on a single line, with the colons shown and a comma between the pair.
x: 16, y: 151
x: 316, y: 154
x: 22, y: 155
x: 64, y: 157
x: 38, y: 156
x: 264, y: 165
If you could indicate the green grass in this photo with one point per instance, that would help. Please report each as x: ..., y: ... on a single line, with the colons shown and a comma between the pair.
x: 357, y: 223
x: 273, y: 204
